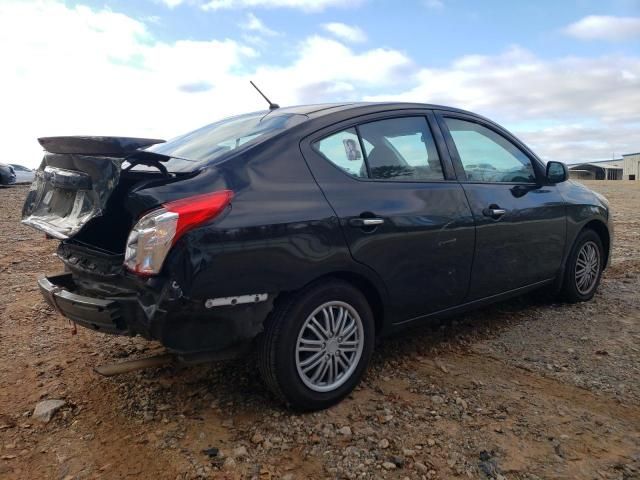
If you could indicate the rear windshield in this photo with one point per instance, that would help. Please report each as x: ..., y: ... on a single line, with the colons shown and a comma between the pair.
x: 214, y: 140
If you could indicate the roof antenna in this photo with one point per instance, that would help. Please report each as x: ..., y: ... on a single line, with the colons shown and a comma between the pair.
x: 272, y: 106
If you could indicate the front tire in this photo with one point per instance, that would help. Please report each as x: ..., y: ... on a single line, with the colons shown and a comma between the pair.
x: 317, y: 345
x: 584, y: 268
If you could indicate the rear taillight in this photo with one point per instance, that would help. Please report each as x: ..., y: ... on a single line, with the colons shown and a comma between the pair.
x: 156, y: 232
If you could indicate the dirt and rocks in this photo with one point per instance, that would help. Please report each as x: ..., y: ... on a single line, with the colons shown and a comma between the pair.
x: 526, y: 389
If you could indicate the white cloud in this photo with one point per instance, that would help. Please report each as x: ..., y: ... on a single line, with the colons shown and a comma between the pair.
x: 600, y: 95
x: 172, y: 3
x: 154, y: 19
x: 345, y: 32
x: 81, y: 71
x: 78, y: 70
x: 575, y: 143
x: 434, y: 4
x: 518, y: 85
x: 326, y: 70
x: 254, y: 24
x: 306, y: 5
x: 603, y: 27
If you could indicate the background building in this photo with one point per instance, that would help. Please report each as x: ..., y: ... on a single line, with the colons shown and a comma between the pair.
x: 599, y: 170
x: 631, y: 165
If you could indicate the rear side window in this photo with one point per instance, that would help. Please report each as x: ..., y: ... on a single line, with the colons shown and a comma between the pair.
x: 398, y: 149
x: 487, y: 156
x: 343, y: 150
x: 401, y: 149
x: 212, y: 141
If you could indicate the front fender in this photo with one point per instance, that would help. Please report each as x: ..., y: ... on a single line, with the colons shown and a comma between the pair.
x: 585, y: 207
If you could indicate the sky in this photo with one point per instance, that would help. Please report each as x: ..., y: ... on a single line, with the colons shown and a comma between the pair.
x: 564, y: 76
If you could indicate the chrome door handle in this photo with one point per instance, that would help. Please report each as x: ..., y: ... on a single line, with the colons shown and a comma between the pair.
x: 366, y: 222
x: 493, y: 212
x: 370, y: 222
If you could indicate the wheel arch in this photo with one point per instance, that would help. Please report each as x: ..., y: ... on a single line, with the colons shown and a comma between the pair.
x: 600, y: 228
x: 368, y: 288
x: 603, y: 232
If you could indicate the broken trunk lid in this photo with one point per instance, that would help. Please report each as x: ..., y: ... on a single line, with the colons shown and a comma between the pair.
x: 75, y: 180
x: 118, y: 147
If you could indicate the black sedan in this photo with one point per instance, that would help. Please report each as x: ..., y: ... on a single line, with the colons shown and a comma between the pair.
x: 305, y: 233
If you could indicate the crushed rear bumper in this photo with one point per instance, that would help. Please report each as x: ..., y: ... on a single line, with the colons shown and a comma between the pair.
x: 95, y: 313
x: 183, y: 326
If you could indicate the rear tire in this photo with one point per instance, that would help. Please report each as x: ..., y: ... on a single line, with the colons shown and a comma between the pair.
x: 317, y: 345
x: 584, y: 268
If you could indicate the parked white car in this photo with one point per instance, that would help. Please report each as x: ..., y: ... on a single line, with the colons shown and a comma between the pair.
x: 23, y: 174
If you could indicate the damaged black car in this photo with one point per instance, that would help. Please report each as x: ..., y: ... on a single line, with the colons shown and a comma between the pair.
x: 304, y: 234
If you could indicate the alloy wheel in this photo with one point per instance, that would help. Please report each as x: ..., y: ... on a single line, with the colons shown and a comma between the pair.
x: 329, y: 346
x: 587, y: 267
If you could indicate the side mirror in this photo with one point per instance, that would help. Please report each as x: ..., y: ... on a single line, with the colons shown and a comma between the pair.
x: 557, y: 172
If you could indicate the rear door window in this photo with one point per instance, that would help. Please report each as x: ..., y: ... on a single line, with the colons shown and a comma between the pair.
x: 397, y: 149
x: 402, y: 149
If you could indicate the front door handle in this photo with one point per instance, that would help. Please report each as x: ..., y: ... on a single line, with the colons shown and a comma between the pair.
x: 366, y: 222
x: 494, y: 211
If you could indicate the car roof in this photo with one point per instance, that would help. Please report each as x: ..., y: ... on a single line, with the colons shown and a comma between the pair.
x: 323, y: 109
x: 323, y: 114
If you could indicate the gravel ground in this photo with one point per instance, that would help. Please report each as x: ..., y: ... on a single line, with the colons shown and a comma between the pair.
x: 525, y: 389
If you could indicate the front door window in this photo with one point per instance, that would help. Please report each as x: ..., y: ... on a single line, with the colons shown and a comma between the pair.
x: 488, y: 157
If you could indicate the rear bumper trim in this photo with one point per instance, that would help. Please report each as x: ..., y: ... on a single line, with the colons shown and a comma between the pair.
x: 98, y: 314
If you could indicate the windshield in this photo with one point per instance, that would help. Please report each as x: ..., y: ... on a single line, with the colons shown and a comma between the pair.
x: 214, y: 140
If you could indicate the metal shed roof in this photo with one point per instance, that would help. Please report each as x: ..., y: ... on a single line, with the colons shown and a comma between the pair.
x: 606, y: 166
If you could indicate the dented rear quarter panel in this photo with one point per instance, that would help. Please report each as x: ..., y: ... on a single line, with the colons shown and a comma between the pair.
x: 278, y: 234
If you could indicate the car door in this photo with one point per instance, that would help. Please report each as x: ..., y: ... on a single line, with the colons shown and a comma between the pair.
x: 399, y: 206
x: 520, y: 217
